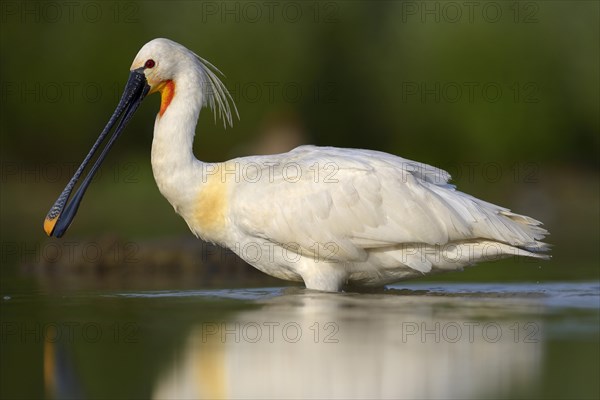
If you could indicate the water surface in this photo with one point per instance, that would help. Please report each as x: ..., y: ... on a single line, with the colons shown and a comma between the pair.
x: 409, y: 341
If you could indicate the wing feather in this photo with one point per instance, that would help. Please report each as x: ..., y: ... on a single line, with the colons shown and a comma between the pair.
x: 374, y: 201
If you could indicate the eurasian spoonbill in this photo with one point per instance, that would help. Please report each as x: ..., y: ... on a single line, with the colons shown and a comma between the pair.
x: 327, y: 216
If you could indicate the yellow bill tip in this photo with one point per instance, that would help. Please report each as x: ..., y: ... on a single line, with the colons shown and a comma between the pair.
x: 49, y: 224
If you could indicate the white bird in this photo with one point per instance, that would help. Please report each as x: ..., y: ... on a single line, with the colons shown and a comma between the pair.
x: 327, y: 216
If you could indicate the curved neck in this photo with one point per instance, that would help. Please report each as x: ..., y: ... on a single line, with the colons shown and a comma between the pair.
x: 174, y: 165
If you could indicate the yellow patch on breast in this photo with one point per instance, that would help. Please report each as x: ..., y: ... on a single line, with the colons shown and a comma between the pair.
x: 210, y: 211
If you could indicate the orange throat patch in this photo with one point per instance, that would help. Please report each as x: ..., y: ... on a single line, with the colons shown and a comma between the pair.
x: 167, y: 91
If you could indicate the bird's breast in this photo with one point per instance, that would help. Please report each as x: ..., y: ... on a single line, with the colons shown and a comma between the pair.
x: 208, y: 218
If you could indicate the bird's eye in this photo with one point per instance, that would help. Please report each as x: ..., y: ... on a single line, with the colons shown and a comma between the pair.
x: 149, y: 64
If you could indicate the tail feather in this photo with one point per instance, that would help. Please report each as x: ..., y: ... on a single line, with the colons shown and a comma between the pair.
x: 491, y: 222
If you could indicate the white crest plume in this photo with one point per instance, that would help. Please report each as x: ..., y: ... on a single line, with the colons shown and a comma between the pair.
x: 216, y: 95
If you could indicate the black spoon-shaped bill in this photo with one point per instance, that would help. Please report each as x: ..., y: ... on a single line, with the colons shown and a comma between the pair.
x: 61, y: 214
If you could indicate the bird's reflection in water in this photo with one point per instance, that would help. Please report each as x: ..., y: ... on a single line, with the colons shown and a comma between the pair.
x: 316, y: 345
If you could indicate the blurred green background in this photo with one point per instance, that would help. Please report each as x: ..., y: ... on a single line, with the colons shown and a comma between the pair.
x: 504, y: 95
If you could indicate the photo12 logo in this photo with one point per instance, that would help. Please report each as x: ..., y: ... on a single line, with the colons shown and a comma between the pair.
x: 435, y: 92
x: 29, y: 332
x: 70, y: 252
x: 269, y: 12
x: 272, y: 92
x: 270, y: 171
x: 470, y: 12
x: 69, y: 12
x: 269, y: 332
x: 465, y: 331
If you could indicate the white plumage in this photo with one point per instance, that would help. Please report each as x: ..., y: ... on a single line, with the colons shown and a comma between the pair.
x: 367, y: 218
x: 327, y: 216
